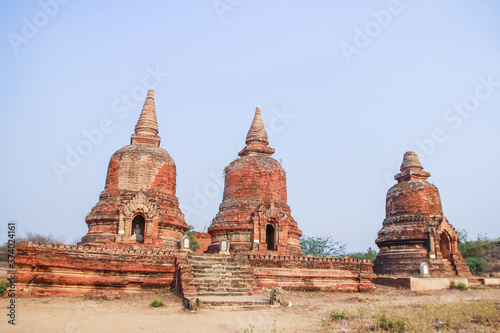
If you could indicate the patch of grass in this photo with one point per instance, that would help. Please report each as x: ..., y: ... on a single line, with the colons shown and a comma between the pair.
x: 389, y: 324
x: 459, y: 285
x: 274, y: 329
x: 337, y: 315
x: 157, y: 303
x: 432, y: 315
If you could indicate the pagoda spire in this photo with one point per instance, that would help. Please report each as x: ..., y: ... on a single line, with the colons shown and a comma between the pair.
x: 411, y: 161
x: 257, y: 142
x: 146, y: 130
x: 257, y: 133
x: 411, y: 169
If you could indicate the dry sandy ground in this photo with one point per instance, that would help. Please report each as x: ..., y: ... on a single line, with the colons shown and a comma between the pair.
x: 134, y: 313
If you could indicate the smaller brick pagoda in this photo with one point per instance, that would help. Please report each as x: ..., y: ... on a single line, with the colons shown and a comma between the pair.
x: 138, y: 205
x: 415, y: 230
x: 254, y: 215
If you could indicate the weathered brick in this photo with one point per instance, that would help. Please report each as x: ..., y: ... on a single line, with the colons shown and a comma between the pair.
x: 415, y: 229
x: 254, y: 215
x: 141, y: 181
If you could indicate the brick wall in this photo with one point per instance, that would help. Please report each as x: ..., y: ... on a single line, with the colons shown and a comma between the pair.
x: 66, y: 270
x: 312, y: 273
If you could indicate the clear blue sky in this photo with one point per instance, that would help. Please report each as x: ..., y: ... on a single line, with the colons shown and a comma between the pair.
x: 345, y: 87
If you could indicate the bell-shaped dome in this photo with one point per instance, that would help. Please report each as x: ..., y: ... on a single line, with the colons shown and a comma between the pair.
x: 254, y: 215
x: 138, y: 206
x: 413, y: 194
x: 255, y: 177
x: 143, y: 165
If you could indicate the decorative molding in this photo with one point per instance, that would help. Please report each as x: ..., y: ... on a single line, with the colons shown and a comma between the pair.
x: 141, y: 203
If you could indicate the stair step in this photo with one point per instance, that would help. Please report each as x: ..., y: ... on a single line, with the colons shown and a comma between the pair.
x: 223, y: 293
x: 218, y: 279
x: 219, y: 276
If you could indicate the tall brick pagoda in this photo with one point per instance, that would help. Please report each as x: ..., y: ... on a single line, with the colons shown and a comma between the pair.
x: 138, y: 206
x: 254, y: 215
x: 415, y: 230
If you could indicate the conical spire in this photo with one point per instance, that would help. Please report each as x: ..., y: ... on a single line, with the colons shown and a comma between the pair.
x: 257, y: 143
x: 411, y: 169
x: 146, y: 130
x: 257, y: 133
x: 411, y: 161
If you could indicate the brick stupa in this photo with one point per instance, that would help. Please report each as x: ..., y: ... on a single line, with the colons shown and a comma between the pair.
x: 415, y: 230
x: 138, y: 206
x: 254, y: 215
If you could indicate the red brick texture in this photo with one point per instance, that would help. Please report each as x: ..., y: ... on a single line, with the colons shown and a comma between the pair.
x: 255, y: 197
x: 415, y: 229
x: 254, y: 215
x: 312, y: 273
x: 65, y: 270
x: 204, y: 239
x: 141, y: 183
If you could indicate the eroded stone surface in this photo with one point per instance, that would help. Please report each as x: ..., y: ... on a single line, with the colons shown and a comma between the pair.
x: 139, y: 193
x: 69, y: 270
x: 254, y: 215
x: 415, y: 229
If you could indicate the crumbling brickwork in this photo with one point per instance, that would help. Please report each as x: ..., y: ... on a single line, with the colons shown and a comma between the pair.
x: 69, y: 270
x: 139, y: 193
x: 204, y: 240
x: 134, y: 231
x: 254, y: 215
x: 312, y: 273
x: 415, y: 229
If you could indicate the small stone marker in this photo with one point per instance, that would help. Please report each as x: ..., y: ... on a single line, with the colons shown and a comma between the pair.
x: 424, y: 269
x: 224, y: 246
x: 185, y: 243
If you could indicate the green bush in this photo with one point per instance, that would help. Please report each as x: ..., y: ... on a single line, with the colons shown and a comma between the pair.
x: 336, y: 315
x: 459, y: 285
x: 476, y: 265
x: 474, y: 248
x: 3, y: 285
x: 157, y: 302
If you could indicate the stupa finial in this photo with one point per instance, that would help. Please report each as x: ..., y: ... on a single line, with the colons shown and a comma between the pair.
x: 146, y: 130
x: 257, y: 142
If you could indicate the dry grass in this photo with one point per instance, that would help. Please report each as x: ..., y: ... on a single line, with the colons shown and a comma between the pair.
x: 431, y: 316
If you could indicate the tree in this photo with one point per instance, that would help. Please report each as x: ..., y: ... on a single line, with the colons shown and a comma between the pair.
x: 322, y: 246
x: 370, y: 254
x: 191, y: 234
x: 39, y: 238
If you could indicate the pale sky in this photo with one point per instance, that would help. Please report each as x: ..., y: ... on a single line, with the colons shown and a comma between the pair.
x: 345, y: 87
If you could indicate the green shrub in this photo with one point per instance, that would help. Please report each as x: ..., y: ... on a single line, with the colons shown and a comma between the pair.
x: 192, y: 236
x: 474, y: 248
x: 3, y: 285
x: 459, y: 285
x: 157, y: 302
x: 389, y: 324
x: 476, y: 265
x: 336, y: 315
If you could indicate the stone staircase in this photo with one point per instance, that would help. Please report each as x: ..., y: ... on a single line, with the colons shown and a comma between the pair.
x: 220, y: 276
x: 442, y: 267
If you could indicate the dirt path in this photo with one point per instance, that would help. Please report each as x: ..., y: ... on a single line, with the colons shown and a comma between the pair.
x: 134, y: 313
